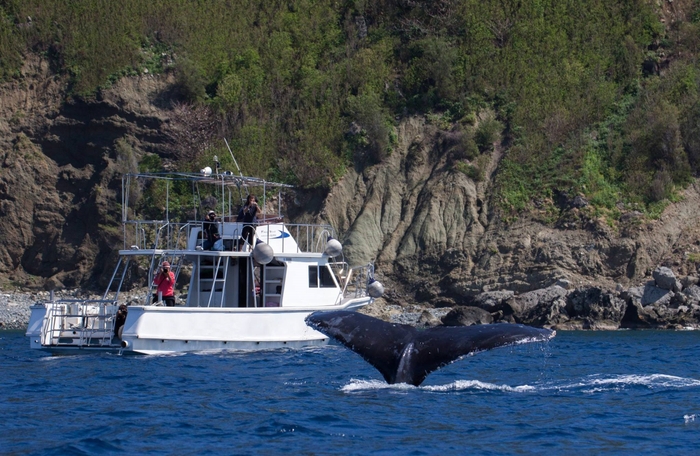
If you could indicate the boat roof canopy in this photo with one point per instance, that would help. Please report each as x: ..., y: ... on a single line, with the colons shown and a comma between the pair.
x: 226, y: 178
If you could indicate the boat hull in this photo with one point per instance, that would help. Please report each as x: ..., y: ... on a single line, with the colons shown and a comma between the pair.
x: 157, y: 330
x: 152, y: 330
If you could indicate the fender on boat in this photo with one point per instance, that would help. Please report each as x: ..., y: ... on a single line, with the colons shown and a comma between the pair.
x: 333, y: 247
x: 375, y: 288
x: 263, y: 253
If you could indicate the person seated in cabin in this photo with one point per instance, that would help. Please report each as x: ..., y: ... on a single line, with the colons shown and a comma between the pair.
x: 165, y: 283
x: 213, y: 239
x: 249, y: 216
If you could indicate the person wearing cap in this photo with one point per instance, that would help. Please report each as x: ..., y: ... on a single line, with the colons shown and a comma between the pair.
x: 165, y: 283
x: 211, y: 231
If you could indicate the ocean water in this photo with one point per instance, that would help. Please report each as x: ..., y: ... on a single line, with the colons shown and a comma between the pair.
x: 626, y: 392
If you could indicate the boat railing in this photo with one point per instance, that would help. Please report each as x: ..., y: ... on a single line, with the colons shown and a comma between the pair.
x: 87, y: 322
x: 355, y: 280
x: 309, y: 237
x: 165, y: 235
x: 154, y: 234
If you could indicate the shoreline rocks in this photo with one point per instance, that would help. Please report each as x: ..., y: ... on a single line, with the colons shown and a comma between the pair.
x: 15, y: 305
x: 662, y: 303
x: 14, y: 309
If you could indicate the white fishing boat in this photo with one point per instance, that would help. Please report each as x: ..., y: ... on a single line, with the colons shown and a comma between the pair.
x: 248, y: 296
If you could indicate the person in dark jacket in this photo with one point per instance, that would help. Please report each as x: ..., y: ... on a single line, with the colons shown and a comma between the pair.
x: 249, y: 216
x: 211, y: 231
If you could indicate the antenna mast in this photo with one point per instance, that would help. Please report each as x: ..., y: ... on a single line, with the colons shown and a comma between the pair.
x: 238, y: 168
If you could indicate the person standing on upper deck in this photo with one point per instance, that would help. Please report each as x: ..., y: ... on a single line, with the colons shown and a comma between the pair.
x: 211, y: 231
x: 165, y: 281
x: 249, y: 216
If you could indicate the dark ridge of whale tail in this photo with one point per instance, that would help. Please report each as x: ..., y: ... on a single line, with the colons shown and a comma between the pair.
x: 404, y: 354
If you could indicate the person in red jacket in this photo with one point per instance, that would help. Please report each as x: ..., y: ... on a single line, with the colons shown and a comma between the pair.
x: 165, y: 281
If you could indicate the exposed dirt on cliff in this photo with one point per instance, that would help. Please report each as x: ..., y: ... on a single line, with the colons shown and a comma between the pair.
x: 61, y: 158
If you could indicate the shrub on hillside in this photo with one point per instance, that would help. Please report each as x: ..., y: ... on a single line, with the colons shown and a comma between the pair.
x: 459, y: 144
x: 429, y: 79
x: 366, y: 111
x: 189, y: 81
x: 487, y: 133
x: 656, y: 148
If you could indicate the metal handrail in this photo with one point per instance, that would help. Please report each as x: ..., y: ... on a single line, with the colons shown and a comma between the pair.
x: 58, y: 310
x: 309, y: 237
x: 357, y: 280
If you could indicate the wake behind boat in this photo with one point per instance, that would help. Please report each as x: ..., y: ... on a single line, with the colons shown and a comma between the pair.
x: 253, y: 291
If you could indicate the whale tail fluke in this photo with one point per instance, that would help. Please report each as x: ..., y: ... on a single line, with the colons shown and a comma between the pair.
x: 404, y: 354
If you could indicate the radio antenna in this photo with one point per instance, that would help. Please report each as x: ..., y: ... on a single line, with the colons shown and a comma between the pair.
x: 238, y: 168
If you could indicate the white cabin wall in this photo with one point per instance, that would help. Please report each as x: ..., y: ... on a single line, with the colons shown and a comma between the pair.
x: 297, y: 284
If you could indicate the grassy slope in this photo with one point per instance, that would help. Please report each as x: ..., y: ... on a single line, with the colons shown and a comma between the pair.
x: 592, y: 97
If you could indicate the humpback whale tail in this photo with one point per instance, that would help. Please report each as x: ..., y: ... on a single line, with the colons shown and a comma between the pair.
x: 404, y: 354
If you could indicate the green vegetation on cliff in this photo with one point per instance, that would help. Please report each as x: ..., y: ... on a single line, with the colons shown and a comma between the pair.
x: 590, y: 97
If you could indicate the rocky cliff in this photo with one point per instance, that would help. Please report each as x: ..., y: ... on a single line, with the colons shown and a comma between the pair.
x: 440, y: 238
x: 59, y: 179
x: 437, y: 235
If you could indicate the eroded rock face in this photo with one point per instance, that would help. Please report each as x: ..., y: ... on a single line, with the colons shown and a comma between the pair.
x: 439, y: 236
x: 59, y: 163
x: 495, y: 301
x: 666, y: 279
x: 654, y: 307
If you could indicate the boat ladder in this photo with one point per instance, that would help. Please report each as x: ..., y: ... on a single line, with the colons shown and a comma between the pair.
x: 219, y: 268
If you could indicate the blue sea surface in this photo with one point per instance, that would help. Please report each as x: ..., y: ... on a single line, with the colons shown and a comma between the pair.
x: 625, y: 392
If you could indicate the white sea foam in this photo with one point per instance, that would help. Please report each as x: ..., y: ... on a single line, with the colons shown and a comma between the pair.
x: 458, y: 385
x: 167, y: 355
x: 653, y: 381
x: 464, y: 385
x: 599, y: 383
x: 365, y: 385
x: 590, y: 384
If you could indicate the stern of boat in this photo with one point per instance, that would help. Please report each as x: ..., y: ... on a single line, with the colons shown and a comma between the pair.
x: 36, y: 321
x: 69, y: 325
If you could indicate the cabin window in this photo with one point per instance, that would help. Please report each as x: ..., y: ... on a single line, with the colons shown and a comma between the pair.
x: 313, y: 276
x: 326, y: 277
x: 321, y: 275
